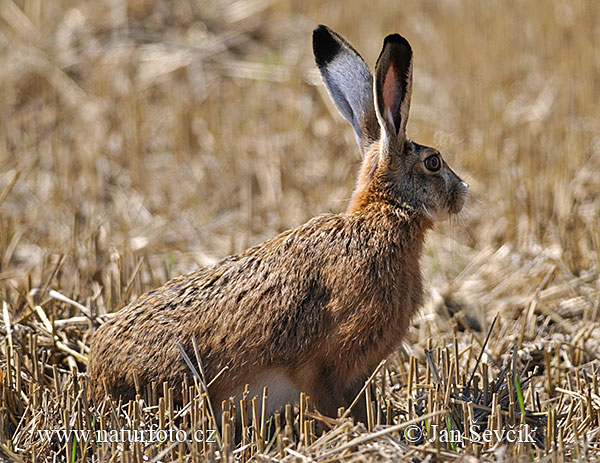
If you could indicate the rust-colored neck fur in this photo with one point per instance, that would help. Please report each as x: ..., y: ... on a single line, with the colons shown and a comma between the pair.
x: 365, y: 176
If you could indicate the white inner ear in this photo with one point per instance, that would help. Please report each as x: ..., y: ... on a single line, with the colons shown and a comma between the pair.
x: 389, y: 117
x: 386, y: 120
x: 405, y: 104
x: 385, y: 139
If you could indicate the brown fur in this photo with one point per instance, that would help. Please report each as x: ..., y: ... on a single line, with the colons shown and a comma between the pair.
x: 324, y: 302
x: 365, y: 176
x: 320, y: 305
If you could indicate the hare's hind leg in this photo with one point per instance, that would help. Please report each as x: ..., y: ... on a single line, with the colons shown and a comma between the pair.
x: 359, y: 411
x: 327, y: 393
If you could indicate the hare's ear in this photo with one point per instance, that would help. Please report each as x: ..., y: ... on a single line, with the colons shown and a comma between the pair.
x: 393, y: 84
x: 348, y: 81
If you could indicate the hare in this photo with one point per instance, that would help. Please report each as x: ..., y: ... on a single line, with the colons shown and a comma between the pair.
x: 316, y: 308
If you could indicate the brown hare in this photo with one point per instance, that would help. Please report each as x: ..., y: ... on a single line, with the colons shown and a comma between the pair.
x: 316, y: 308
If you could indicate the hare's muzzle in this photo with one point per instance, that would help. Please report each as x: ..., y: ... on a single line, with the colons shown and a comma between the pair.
x: 458, y: 197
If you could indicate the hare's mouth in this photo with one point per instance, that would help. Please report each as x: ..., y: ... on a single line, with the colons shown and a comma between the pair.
x: 458, y: 198
x: 456, y: 201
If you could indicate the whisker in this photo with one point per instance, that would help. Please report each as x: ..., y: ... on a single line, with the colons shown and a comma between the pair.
x: 461, y: 217
x: 475, y: 197
x: 428, y: 213
x: 453, y: 218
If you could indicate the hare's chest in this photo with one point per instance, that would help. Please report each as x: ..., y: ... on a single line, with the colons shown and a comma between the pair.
x: 373, y: 326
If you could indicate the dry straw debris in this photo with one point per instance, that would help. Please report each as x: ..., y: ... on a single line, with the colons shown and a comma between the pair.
x: 142, y: 138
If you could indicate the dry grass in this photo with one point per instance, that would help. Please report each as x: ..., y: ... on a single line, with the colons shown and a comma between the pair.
x: 141, y: 139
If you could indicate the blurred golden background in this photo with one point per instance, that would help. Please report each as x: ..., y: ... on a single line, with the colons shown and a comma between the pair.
x: 181, y: 131
x: 190, y: 130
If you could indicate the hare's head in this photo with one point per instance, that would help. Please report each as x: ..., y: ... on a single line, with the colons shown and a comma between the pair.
x: 395, y: 169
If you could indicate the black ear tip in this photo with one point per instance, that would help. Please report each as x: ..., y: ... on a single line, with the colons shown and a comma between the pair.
x: 321, y: 28
x: 396, y: 39
x: 325, y: 45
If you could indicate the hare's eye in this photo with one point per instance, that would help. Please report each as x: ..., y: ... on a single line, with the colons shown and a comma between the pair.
x: 433, y: 163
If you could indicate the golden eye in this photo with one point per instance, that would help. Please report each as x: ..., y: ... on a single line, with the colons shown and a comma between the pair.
x: 433, y: 163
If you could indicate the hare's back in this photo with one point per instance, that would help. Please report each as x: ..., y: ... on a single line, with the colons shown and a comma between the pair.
x: 263, y: 306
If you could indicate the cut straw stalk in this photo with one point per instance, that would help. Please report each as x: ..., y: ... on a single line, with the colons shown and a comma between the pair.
x: 383, y: 432
x: 360, y: 393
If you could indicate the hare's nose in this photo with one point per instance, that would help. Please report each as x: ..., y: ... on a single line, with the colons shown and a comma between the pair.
x: 465, y: 185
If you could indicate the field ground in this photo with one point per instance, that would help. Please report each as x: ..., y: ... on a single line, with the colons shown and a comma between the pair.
x: 140, y: 139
